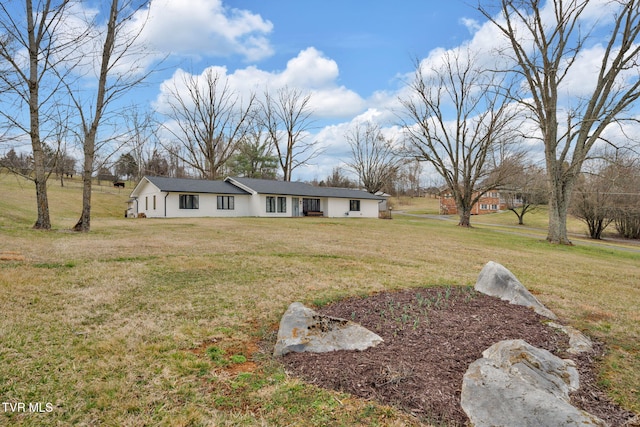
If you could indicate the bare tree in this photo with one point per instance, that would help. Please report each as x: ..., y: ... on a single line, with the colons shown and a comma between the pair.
x: 140, y: 131
x: 287, y: 119
x: 19, y: 164
x: 336, y: 179
x: 31, y: 49
x: 209, y: 119
x: 459, y: 149
x: 626, y: 194
x: 413, y: 170
x: 606, y: 192
x: 591, y: 203
x: 119, y: 46
x: 524, y: 190
x: 545, y: 48
x: 373, y: 157
x: 157, y: 165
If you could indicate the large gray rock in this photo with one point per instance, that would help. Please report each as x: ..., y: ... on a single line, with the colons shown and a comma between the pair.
x: 495, y: 280
x: 578, y: 342
x: 302, y: 329
x: 516, y: 384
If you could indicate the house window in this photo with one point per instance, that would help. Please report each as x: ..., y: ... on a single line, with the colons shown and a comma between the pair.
x: 354, y: 205
x: 154, y: 202
x: 310, y: 205
x: 484, y: 207
x: 494, y: 207
x: 189, y: 201
x: 226, y: 202
x: 271, y: 204
x: 282, y: 204
x: 146, y: 203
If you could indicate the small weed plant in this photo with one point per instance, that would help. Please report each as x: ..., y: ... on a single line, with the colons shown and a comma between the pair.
x: 417, y: 312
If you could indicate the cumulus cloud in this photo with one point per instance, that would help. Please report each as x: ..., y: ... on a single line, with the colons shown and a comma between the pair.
x: 310, y: 71
x: 204, y: 28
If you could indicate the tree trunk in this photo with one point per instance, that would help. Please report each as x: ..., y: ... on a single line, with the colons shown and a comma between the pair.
x: 84, y: 223
x: 520, y: 218
x: 595, y: 228
x: 558, y: 206
x: 43, y: 222
x: 465, y: 216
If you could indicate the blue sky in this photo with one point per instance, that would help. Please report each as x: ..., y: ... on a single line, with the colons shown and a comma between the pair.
x: 352, y: 56
x: 372, y: 43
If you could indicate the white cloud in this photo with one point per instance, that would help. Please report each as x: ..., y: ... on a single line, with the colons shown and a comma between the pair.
x: 204, y: 28
x: 309, y: 71
x: 471, y: 24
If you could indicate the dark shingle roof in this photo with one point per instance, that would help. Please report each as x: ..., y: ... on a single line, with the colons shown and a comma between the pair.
x: 194, y: 185
x: 266, y: 186
x: 262, y: 186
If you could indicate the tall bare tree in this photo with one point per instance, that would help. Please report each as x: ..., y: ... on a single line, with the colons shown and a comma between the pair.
x: 373, y: 157
x: 455, y: 119
x: 141, y: 131
x: 209, y: 119
x: 118, y: 73
x: 287, y: 119
x: 33, y: 43
x: 545, y: 45
x: 412, y: 170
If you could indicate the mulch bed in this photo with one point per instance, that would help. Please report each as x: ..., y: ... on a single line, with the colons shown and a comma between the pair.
x: 431, y: 335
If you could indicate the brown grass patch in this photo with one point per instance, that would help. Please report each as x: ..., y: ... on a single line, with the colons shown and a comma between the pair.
x: 596, y: 315
x: 93, y: 320
x: 11, y: 256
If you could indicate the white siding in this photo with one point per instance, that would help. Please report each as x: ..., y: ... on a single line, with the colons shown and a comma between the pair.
x: 340, y: 208
x: 261, y: 208
x: 370, y: 208
x: 207, y: 206
x: 145, y: 200
x: 168, y: 205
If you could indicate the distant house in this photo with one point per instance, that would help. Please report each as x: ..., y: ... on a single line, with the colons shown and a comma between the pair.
x: 490, y: 202
x: 160, y: 197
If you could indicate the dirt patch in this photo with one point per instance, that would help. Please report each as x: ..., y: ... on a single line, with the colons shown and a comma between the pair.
x: 431, y: 335
x: 233, y: 358
x: 11, y: 256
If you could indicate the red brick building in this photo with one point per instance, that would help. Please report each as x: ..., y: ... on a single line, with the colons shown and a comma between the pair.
x: 490, y: 202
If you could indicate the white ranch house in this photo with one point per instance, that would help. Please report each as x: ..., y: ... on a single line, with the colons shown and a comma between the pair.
x: 160, y: 197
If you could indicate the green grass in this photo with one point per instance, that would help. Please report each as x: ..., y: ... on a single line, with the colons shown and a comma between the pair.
x: 113, y: 327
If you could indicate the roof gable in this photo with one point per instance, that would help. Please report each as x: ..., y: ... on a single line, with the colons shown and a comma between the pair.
x: 184, y: 185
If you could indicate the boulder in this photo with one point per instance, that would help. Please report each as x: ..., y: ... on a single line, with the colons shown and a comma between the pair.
x: 495, y: 280
x: 302, y: 329
x: 578, y: 342
x: 516, y: 384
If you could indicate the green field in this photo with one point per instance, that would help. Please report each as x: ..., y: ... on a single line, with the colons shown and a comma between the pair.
x: 172, y: 321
